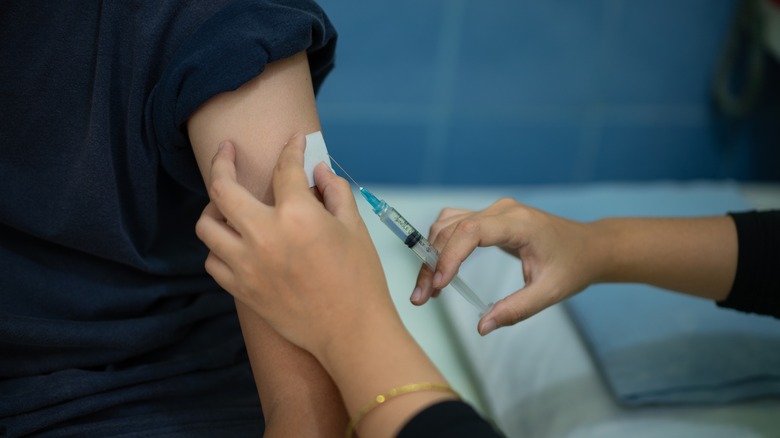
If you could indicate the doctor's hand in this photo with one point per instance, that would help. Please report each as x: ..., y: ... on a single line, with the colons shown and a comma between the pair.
x: 559, y: 256
x: 308, y: 268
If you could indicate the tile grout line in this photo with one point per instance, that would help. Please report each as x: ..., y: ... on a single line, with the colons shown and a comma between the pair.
x: 441, y: 114
x: 592, y: 125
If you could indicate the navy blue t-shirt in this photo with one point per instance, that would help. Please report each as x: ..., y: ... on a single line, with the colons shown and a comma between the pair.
x: 109, y: 324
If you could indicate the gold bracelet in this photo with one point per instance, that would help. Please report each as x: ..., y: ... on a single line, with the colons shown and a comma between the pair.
x: 395, y: 392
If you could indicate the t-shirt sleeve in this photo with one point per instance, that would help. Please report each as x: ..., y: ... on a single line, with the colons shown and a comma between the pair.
x: 756, y: 285
x: 452, y: 419
x: 227, y: 50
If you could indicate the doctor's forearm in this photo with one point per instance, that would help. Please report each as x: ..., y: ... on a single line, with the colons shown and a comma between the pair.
x: 697, y: 256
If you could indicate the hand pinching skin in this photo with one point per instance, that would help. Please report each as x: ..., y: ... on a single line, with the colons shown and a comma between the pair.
x: 280, y: 260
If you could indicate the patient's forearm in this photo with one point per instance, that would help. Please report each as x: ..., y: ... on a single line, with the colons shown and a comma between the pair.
x: 299, y: 398
x: 697, y: 256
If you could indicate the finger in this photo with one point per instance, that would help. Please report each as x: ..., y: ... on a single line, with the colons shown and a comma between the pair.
x: 223, y: 163
x: 446, y: 218
x: 458, y: 241
x: 316, y: 192
x: 212, y: 211
x: 517, y: 307
x: 336, y: 193
x: 426, y: 278
x: 220, y: 271
x: 289, y: 180
x: 449, y: 213
x: 217, y: 235
x: 234, y: 202
x: 430, y: 283
x: 423, y: 289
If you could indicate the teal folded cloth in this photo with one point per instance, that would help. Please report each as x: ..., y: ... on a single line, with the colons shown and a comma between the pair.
x: 655, y: 347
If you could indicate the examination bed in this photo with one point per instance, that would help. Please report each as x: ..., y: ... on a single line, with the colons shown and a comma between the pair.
x: 550, y: 376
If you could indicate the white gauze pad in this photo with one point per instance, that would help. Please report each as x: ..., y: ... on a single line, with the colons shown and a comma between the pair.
x: 315, y: 152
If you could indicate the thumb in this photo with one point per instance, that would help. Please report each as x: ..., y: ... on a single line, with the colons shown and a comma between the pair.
x: 336, y: 193
x: 518, y: 306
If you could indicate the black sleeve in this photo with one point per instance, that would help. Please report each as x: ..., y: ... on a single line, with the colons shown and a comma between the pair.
x: 450, y: 419
x: 756, y: 286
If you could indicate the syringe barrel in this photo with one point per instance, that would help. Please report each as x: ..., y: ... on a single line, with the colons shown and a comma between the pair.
x: 426, y: 252
x: 418, y: 244
x: 430, y: 256
x: 399, y: 226
x: 409, y: 235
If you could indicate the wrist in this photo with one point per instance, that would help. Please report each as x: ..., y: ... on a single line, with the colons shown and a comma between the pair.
x: 355, y: 329
x: 377, y: 361
x: 379, y: 355
x: 602, y: 237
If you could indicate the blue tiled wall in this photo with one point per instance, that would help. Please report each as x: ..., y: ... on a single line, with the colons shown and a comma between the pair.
x: 454, y: 92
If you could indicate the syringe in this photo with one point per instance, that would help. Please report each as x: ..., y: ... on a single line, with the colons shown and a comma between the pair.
x: 414, y: 240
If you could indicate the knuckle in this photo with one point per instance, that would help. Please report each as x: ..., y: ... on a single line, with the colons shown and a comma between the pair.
x: 295, y: 217
x: 282, y: 167
x: 514, y: 209
x: 342, y: 184
x: 436, y: 228
x: 278, y: 169
x: 211, y: 264
x: 445, y: 212
x: 214, y: 159
x: 217, y: 188
x: 445, y: 258
x: 513, y: 313
x: 200, y: 227
x: 469, y: 226
x: 505, y: 202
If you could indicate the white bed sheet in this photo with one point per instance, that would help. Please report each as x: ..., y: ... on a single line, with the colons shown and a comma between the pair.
x: 538, y: 379
x: 535, y: 379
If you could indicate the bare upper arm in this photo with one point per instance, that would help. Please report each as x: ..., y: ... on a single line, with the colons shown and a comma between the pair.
x: 259, y: 118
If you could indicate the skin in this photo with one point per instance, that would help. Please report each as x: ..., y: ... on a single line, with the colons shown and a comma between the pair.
x: 561, y: 257
x: 286, y: 263
x: 298, y: 396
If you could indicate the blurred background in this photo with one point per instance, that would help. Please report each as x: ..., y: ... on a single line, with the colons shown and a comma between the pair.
x: 502, y: 92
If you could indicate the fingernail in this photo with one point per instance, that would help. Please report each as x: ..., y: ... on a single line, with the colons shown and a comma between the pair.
x: 327, y: 166
x: 416, y: 295
x: 221, y: 145
x: 487, y: 327
x: 437, y: 280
